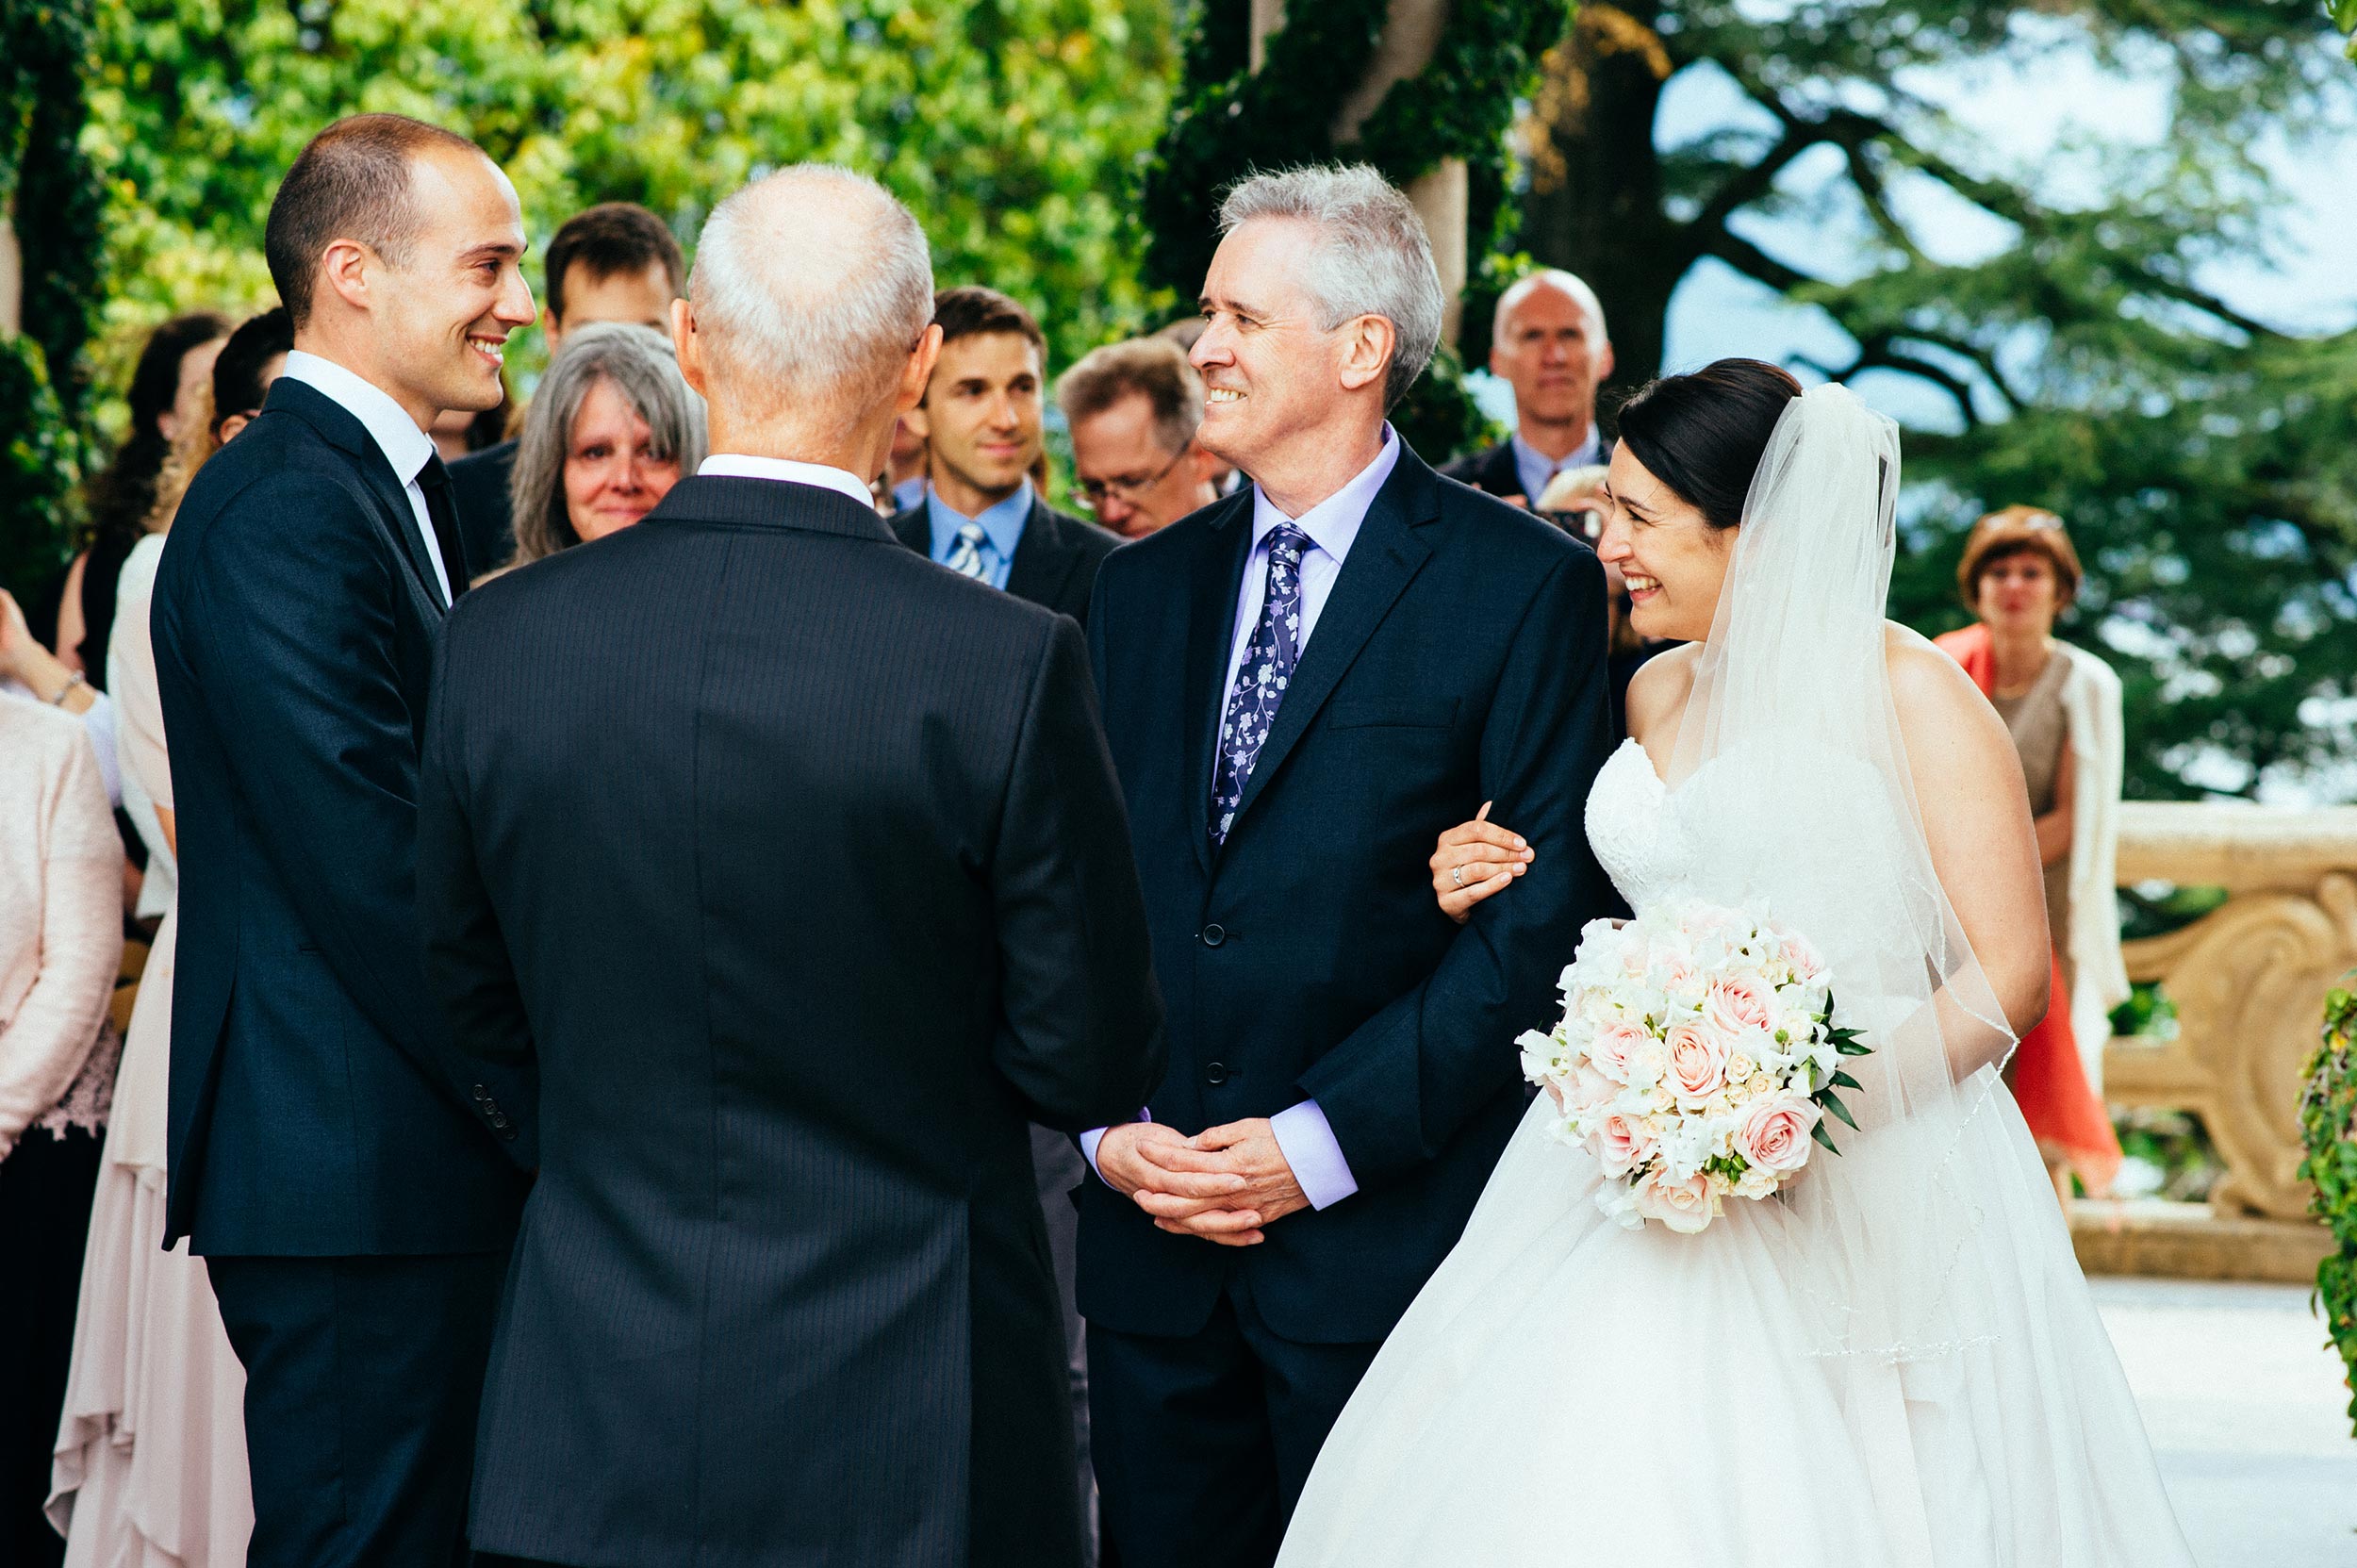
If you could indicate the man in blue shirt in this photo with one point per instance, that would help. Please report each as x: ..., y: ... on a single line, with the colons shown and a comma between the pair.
x: 982, y: 418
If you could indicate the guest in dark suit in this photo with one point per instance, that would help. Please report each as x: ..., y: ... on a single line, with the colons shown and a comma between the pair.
x: 354, y: 1206
x: 796, y: 869
x: 614, y: 262
x: 984, y: 419
x: 1303, y: 685
x: 1548, y: 341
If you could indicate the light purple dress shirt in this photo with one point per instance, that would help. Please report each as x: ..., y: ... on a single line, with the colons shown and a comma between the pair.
x: 1302, y: 1135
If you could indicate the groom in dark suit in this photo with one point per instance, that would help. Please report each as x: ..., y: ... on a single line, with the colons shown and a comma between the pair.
x: 795, y: 869
x: 1304, y: 686
x: 354, y: 1204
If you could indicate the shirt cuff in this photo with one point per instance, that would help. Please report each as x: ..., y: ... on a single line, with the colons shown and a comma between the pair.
x: 1307, y: 1141
x: 1095, y: 1135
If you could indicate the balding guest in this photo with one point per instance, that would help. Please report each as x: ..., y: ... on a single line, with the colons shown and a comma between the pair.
x: 1548, y: 341
x: 794, y: 866
x: 1134, y: 409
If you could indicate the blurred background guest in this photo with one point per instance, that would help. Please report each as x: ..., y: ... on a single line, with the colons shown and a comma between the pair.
x: 610, y: 432
x: 905, y: 471
x: 1133, y: 409
x: 166, y: 389
x: 61, y: 944
x: 1571, y: 502
x: 1548, y: 341
x: 29, y: 669
x: 2063, y: 706
x: 612, y: 262
x: 984, y: 423
x: 150, y: 1450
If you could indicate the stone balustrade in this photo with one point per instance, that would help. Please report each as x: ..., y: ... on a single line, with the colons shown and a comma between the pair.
x: 2249, y: 980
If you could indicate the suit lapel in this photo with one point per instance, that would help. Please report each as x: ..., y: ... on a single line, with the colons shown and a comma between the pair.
x: 1505, y: 475
x: 1383, y: 559
x: 337, y: 427
x: 1043, y: 561
x: 1216, y: 579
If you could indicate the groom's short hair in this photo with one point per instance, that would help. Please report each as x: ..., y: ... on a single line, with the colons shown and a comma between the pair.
x: 810, y: 288
x: 353, y: 182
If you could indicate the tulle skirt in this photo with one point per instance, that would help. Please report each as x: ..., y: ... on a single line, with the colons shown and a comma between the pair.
x: 1568, y: 1392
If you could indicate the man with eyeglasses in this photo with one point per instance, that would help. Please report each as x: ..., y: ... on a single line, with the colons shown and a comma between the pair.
x: 1133, y: 409
x: 981, y: 514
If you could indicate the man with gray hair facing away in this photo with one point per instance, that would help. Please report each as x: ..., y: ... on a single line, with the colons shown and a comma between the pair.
x: 795, y: 868
x: 1302, y: 684
x: 1548, y: 341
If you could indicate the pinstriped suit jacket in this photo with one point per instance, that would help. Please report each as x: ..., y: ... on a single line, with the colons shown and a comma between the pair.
x: 797, y: 865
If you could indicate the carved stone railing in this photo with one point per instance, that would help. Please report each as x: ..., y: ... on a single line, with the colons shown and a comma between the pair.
x: 2249, y: 980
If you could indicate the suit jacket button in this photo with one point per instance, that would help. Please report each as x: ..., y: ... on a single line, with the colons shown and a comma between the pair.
x: 1213, y: 935
x: 1216, y: 1073
x: 507, y: 1134
x: 481, y: 1095
x: 499, y: 1121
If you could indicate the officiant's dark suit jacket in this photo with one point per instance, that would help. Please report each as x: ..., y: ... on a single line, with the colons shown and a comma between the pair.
x: 1055, y: 562
x: 797, y: 865
x: 1459, y: 659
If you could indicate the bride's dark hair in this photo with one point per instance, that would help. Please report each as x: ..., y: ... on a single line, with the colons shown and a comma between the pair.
x: 1703, y: 434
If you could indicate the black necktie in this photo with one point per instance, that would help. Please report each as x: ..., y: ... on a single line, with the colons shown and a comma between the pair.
x: 441, y: 510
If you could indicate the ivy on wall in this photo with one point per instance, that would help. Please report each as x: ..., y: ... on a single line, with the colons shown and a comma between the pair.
x: 1230, y: 120
x: 2328, y: 1125
x: 56, y: 202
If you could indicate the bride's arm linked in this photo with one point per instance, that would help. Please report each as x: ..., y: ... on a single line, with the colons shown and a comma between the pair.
x: 1984, y: 846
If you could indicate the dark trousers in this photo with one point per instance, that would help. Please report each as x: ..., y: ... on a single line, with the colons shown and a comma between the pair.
x: 1059, y: 1168
x: 363, y: 1375
x: 45, y: 1187
x: 1204, y: 1442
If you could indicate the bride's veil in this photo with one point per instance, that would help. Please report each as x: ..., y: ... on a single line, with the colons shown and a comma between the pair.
x: 1799, y: 797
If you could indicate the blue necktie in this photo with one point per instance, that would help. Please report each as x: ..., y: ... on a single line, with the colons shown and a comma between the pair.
x: 1261, y: 678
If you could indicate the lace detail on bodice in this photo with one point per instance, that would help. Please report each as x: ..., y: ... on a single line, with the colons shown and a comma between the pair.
x: 1637, y: 837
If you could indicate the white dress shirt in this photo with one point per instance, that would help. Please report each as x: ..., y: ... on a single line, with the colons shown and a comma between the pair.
x: 1302, y: 1132
x: 731, y: 465
x: 407, y: 448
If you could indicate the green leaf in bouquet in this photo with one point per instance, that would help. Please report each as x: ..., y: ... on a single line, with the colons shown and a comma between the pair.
x: 1833, y: 1103
x: 1824, y: 1137
x: 1851, y: 1048
x: 1843, y: 1080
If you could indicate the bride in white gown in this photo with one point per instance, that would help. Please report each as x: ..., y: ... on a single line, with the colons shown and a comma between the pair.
x: 1897, y: 1363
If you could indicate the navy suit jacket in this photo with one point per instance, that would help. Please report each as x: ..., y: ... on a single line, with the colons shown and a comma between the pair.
x: 798, y: 866
x: 315, y: 1109
x: 1461, y: 658
x: 1055, y: 561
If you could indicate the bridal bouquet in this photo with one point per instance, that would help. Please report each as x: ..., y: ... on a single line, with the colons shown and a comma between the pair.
x: 1696, y: 1059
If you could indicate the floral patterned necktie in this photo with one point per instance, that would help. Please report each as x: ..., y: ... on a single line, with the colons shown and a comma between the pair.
x: 1261, y: 678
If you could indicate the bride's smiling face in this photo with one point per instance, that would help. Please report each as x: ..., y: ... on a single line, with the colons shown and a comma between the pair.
x: 1674, y: 560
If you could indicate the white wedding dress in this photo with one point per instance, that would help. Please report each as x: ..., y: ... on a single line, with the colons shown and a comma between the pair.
x: 1901, y: 1368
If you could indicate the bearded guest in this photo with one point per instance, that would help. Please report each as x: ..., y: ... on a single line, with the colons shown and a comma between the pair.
x: 611, y: 429
x: 2062, y: 704
x: 353, y: 1195
x: 1134, y: 409
x: 1548, y: 341
x: 983, y: 421
x: 1301, y: 684
x: 613, y: 262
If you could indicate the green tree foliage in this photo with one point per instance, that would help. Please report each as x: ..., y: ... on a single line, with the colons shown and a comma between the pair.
x: 2327, y: 1126
x: 2203, y: 460
x: 1011, y: 127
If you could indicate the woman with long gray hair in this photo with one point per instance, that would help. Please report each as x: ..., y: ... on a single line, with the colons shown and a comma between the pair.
x: 610, y: 431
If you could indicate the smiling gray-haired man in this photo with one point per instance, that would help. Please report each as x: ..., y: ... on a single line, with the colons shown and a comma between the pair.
x: 1304, y: 686
x: 794, y: 865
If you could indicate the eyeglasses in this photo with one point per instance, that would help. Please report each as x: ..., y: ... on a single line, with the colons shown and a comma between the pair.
x: 1127, y: 486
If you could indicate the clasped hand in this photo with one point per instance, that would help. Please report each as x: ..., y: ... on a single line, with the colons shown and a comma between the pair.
x: 1225, y: 1185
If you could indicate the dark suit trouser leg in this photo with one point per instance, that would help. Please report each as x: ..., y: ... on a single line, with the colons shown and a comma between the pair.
x: 363, y: 1375
x: 1057, y: 1167
x: 1204, y: 1442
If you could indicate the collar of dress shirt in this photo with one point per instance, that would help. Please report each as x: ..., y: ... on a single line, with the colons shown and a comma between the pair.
x: 732, y: 465
x: 1533, y: 464
x: 397, y: 436
x: 1002, y: 522
x: 1332, y: 523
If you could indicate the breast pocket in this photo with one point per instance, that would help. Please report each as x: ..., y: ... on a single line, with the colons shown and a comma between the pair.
x: 1391, y: 713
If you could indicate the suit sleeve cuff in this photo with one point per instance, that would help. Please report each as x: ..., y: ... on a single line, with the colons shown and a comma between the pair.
x: 1307, y: 1141
x: 1095, y: 1135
